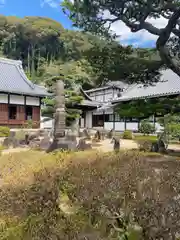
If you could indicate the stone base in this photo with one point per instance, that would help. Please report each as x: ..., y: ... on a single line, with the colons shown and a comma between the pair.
x: 62, y: 144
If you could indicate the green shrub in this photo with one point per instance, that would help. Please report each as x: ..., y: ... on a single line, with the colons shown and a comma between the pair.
x: 4, y: 131
x: 127, y: 134
x: 88, y: 195
x: 146, y: 127
x: 174, y: 130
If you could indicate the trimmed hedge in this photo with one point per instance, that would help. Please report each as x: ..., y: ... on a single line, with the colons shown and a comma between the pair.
x: 127, y: 134
x: 4, y: 131
x: 146, y: 127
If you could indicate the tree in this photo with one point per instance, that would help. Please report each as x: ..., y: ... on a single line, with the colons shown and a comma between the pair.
x: 112, y: 61
x: 33, y: 42
x: 98, y: 15
x: 144, y: 108
x: 171, y: 124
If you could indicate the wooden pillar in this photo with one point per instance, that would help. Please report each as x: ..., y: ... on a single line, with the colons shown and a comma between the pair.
x: 36, y: 117
x: 25, y: 108
x: 20, y: 113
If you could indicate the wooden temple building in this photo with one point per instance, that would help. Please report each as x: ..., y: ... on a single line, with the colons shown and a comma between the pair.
x: 20, y: 99
x: 98, y: 106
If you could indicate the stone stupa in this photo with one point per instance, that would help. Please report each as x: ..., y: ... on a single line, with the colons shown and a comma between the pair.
x: 60, y: 141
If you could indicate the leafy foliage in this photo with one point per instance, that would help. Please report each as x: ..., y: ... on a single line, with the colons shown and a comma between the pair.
x: 146, y: 127
x: 171, y: 124
x: 72, y: 98
x: 111, y: 61
x: 98, y: 16
x: 4, y: 131
x: 144, y: 108
x: 127, y: 134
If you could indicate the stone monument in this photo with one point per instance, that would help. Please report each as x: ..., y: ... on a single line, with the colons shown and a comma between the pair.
x: 59, y: 139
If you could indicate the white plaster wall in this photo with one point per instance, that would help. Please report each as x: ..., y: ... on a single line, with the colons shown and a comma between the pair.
x: 109, y: 111
x: 100, y: 98
x: 109, y: 91
x: 32, y: 101
x: 97, y: 112
x: 108, y: 125
x: 3, y: 98
x: 119, y: 126
x: 108, y: 96
x: 158, y: 127
x: 92, y: 97
x: 88, y: 121
x: 100, y: 112
x: 132, y: 126
x: 15, y: 99
x: 47, y: 124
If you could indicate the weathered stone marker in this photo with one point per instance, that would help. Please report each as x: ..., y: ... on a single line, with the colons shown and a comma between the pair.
x: 110, y: 134
x: 59, y: 139
x: 86, y: 134
x: 97, y: 135
x: 45, y: 143
x: 116, y: 146
x: 82, y: 145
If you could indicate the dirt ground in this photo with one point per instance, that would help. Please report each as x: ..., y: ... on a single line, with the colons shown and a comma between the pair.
x: 107, y: 146
x: 104, y: 146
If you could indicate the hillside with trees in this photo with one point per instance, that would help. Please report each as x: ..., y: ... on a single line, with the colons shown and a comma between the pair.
x: 47, y: 49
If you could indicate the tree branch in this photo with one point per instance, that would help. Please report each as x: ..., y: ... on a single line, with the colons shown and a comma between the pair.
x: 163, y: 39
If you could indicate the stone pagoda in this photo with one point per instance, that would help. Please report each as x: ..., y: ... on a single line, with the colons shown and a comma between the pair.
x: 60, y: 141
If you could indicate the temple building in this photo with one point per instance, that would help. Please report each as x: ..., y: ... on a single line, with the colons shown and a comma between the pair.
x: 20, y: 99
x: 99, y: 103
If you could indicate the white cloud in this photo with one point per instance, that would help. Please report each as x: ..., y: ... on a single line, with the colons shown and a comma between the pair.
x: 140, y: 37
x: 51, y: 3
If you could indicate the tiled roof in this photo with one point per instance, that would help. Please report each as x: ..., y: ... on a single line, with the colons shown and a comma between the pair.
x: 86, y: 96
x: 169, y: 84
x: 14, y: 80
x: 118, y: 84
x: 111, y: 84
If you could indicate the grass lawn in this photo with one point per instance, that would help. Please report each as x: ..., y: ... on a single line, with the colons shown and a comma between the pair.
x: 146, y: 137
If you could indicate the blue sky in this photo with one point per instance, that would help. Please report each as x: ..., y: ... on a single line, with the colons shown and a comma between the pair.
x: 52, y: 9
x: 41, y: 8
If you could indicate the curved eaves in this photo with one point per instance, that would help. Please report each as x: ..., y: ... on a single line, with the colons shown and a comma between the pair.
x: 86, y: 96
